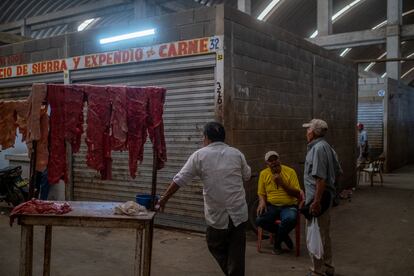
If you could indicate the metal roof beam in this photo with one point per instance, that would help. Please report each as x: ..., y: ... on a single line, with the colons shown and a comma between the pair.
x: 8, y: 38
x: 359, y: 38
x: 84, y: 9
x: 82, y: 17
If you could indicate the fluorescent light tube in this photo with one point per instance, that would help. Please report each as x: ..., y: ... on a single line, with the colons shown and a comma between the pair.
x: 268, y: 9
x: 127, y: 36
x: 85, y: 24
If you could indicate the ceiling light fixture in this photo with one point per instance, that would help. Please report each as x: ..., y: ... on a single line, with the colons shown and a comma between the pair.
x: 127, y: 36
x: 338, y: 15
x: 410, y: 55
x: 379, y: 25
x: 267, y: 10
x: 85, y: 24
x: 385, y: 21
x: 314, y: 34
x: 344, y: 52
x: 344, y: 10
x: 373, y: 63
x: 383, y: 75
x: 408, y: 72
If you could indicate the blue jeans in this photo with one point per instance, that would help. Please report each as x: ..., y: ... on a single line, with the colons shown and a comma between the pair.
x: 42, y: 185
x: 287, y: 216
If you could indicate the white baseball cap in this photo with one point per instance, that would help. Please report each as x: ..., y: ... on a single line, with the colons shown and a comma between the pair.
x: 316, y: 124
x: 270, y: 153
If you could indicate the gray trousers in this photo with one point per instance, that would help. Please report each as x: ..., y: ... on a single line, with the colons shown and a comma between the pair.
x: 323, y: 265
x: 228, y: 247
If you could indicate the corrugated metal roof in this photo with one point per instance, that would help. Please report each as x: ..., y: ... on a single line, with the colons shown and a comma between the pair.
x: 296, y: 16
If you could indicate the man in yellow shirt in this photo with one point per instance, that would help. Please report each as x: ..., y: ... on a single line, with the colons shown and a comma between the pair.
x: 279, y: 194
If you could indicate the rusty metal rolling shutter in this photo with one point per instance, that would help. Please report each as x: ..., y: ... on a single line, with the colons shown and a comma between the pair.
x: 189, y: 105
x: 371, y: 113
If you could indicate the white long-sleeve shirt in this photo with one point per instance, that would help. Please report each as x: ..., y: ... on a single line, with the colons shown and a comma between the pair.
x: 222, y: 170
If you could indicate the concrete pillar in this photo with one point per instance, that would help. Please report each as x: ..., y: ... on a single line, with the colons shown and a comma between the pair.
x: 394, y: 20
x: 25, y: 30
x: 140, y: 9
x: 324, y: 17
x: 244, y: 6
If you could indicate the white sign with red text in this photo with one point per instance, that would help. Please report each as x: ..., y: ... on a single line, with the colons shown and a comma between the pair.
x: 197, y: 46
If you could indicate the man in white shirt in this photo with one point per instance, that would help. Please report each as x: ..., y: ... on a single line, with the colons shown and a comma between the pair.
x: 222, y: 169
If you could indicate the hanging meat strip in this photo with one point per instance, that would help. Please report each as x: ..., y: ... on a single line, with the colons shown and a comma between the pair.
x: 36, y: 98
x: 137, y: 103
x: 97, y: 133
x: 118, y: 95
x: 42, y: 145
x: 42, y: 151
x: 57, y: 157
x: 22, y: 108
x: 155, y: 123
x: 7, y: 124
x: 74, y: 97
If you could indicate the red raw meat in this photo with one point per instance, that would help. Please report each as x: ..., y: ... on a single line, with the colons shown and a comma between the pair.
x: 57, y: 154
x: 36, y: 206
x: 35, y: 100
x: 137, y: 129
x: 119, y: 125
x: 155, y: 123
x: 74, y: 97
x: 97, y: 133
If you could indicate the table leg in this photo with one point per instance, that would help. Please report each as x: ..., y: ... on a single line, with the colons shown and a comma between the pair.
x: 47, y: 250
x: 26, y: 251
x: 148, y: 248
x: 138, y: 253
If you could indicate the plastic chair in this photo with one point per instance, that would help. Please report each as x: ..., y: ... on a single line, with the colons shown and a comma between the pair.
x: 371, y: 169
x: 297, y: 231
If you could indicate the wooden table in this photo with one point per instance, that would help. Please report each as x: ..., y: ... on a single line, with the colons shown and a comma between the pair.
x: 86, y: 214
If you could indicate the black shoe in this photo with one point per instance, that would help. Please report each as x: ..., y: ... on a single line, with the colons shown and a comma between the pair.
x: 277, y: 250
x: 289, y: 243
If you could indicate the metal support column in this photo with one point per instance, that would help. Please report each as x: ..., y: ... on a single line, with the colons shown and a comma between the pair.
x: 244, y: 6
x: 394, y: 20
x: 324, y: 17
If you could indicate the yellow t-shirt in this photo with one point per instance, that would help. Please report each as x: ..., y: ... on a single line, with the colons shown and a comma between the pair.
x: 278, y: 197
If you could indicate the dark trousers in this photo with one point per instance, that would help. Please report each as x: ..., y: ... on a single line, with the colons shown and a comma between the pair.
x: 41, y: 185
x: 228, y: 247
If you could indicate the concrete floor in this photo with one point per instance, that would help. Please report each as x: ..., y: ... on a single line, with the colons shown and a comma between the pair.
x: 373, y: 234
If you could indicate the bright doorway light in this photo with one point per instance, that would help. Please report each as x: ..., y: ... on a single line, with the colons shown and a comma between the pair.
x: 127, y: 36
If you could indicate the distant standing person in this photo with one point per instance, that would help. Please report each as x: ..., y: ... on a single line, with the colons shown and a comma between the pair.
x: 222, y: 169
x: 42, y: 156
x: 322, y: 169
x: 362, y: 143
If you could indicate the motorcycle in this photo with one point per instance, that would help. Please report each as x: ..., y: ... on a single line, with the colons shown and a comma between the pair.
x: 13, y: 188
